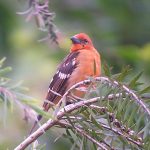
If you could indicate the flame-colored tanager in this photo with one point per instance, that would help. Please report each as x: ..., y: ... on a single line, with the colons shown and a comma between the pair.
x: 82, y: 62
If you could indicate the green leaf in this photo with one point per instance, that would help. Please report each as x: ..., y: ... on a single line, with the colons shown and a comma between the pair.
x: 132, y: 115
x: 94, y: 146
x: 74, y: 144
x: 4, y: 81
x: 146, y: 130
x: 94, y: 121
x: 18, y: 84
x: 125, y: 71
x: 40, y: 111
x: 75, y: 137
x: 68, y: 118
x: 134, y: 82
x: 94, y: 67
x: 41, y: 147
x: 69, y: 136
x: 107, y: 70
x: 2, y: 61
x: 33, y: 104
x: 145, y: 90
x: 82, y: 141
x: 127, y: 109
x: 5, y: 70
x: 138, y: 122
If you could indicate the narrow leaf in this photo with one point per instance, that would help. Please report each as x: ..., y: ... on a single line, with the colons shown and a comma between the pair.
x: 82, y: 141
x: 94, y: 67
x: 69, y: 136
x: 107, y: 70
x: 133, y: 83
x: 36, y: 108
x: 2, y: 61
x: 5, y: 70
x: 125, y: 71
x: 145, y: 90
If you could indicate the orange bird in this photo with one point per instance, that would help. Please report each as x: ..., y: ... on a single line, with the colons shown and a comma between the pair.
x: 82, y: 62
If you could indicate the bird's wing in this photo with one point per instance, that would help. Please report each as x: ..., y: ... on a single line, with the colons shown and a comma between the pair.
x: 58, y: 83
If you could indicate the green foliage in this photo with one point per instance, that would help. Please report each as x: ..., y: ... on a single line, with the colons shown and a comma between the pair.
x: 13, y: 94
x: 119, y: 122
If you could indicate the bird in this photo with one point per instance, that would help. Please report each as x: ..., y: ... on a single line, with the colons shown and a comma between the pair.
x: 83, y: 61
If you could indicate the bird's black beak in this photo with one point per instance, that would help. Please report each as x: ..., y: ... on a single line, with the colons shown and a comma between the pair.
x: 75, y: 40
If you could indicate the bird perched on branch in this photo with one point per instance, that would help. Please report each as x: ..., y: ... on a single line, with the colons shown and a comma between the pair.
x: 82, y: 62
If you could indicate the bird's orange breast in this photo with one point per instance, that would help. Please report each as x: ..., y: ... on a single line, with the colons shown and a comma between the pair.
x: 88, y: 65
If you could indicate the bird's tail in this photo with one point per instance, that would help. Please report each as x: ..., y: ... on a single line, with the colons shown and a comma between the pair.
x: 39, y: 117
x: 46, y: 107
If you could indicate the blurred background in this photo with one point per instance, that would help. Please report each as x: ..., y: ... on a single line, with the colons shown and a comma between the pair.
x: 120, y: 30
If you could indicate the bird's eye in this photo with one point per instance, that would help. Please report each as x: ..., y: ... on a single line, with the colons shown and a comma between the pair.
x: 85, y: 41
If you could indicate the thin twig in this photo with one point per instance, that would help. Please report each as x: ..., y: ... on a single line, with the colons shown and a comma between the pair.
x: 39, y: 10
x: 138, y: 143
x: 113, y: 120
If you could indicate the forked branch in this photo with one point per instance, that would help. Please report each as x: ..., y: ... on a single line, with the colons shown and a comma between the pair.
x: 69, y: 108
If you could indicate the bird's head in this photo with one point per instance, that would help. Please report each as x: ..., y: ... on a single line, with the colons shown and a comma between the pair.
x: 81, y: 41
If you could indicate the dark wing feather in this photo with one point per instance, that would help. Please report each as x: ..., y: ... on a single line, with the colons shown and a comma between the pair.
x: 58, y: 84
